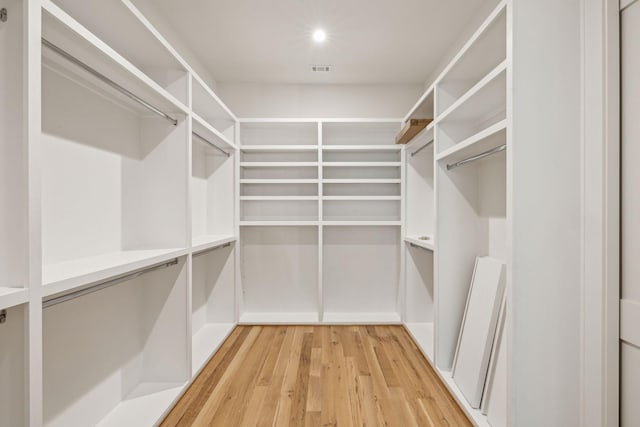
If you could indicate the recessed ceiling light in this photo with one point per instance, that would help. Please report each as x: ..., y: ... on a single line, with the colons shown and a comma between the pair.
x: 319, y: 35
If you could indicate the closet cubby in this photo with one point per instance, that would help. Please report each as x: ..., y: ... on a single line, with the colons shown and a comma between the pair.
x: 280, y: 274
x: 13, y: 365
x: 13, y: 158
x: 420, y: 297
x: 471, y: 203
x: 361, y: 210
x: 359, y: 134
x: 143, y: 47
x: 361, y: 271
x: 279, y: 210
x: 207, y: 107
x: 114, y: 175
x: 420, y: 189
x: 212, y: 301
x: 212, y: 182
x: 117, y: 356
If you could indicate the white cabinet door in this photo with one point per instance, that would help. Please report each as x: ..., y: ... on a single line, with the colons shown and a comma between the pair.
x: 630, y: 291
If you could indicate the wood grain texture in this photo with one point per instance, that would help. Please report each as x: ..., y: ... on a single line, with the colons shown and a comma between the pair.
x: 317, y: 376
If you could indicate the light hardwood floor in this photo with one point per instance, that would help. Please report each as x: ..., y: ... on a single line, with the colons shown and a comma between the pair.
x: 317, y: 376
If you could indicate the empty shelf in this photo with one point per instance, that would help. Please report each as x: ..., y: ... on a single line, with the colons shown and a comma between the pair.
x: 485, y: 140
x: 278, y: 148
x: 10, y: 297
x: 206, y: 342
x: 201, y: 243
x: 426, y: 244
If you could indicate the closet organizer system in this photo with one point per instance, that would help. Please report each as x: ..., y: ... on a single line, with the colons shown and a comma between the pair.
x: 141, y: 220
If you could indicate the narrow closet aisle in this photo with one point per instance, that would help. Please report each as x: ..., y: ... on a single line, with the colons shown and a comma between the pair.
x: 316, y: 212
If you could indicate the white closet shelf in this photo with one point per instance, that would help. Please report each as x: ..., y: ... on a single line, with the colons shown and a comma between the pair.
x: 10, y: 297
x: 65, y: 276
x: 423, y: 137
x: 206, y: 342
x: 343, y: 223
x: 277, y: 164
x: 278, y: 223
x: 203, y: 128
x: 426, y: 244
x: 202, y: 243
x: 485, y: 97
x: 491, y: 137
x: 66, y: 33
x: 356, y: 148
x: 279, y: 318
x: 278, y: 148
x: 145, y: 405
x: 423, y: 108
x: 277, y: 198
x: 360, y: 318
x: 360, y: 198
x: 361, y: 164
x: 475, y: 415
x: 423, y: 336
x: 204, y: 96
x: 279, y: 181
x: 361, y: 181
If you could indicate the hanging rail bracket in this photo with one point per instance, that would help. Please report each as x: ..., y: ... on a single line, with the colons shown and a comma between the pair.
x: 3, y: 316
x: 3, y: 14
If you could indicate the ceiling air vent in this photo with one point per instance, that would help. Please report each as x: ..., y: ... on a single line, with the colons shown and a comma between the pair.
x: 321, y: 68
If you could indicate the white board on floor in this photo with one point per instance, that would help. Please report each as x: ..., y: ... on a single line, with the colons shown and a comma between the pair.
x: 478, y: 328
x: 494, y: 399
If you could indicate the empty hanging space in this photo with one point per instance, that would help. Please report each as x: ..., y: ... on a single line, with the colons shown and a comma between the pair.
x: 114, y: 165
x: 212, y: 183
x: 361, y: 273
x: 13, y: 158
x: 279, y: 268
x: 420, y: 299
x: 279, y: 172
x: 13, y: 364
x: 212, y: 301
x: 471, y: 93
x: 116, y: 356
x: 142, y: 46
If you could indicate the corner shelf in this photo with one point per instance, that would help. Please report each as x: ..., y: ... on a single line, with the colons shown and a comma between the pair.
x: 10, y: 297
x: 425, y: 244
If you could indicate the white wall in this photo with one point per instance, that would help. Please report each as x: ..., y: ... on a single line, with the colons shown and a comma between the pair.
x: 300, y: 100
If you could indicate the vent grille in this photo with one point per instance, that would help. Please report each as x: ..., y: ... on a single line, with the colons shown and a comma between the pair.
x: 321, y: 68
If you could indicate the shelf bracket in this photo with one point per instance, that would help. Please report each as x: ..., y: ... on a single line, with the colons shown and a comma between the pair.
x: 3, y: 14
x: 3, y: 316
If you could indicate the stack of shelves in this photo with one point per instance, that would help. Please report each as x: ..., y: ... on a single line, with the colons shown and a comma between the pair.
x: 460, y: 179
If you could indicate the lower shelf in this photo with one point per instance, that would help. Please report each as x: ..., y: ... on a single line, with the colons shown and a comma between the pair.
x: 279, y: 318
x: 144, y: 406
x: 202, y: 243
x: 361, y: 318
x: 423, y: 335
x: 10, y: 297
x: 474, y: 415
x: 206, y: 342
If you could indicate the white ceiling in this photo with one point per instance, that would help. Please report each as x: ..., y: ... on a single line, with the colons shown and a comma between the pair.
x: 369, y: 41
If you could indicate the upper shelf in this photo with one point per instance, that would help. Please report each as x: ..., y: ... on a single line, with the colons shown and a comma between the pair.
x: 208, y: 106
x: 205, y: 130
x: 135, y: 39
x: 67, y: 34
x: 483, y: 141
x: 423, y: 109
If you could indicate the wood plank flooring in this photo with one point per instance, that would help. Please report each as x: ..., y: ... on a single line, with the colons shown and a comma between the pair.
x: 317, y: 376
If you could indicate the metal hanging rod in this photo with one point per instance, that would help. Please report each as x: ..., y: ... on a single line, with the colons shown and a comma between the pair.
x: 204, y: 251
x: 3, y: 14
x: 422, y: 148
x: 108, y: 81
x: 3, y: 316
x: 98, y: 286
x: 210, y: 143
x: 479, y: 156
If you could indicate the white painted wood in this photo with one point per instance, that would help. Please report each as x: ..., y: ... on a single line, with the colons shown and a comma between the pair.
x: 372, y: 318
x: 428, y: 244
x: 478, y: 328
x: 203, y: 128
x: 13, y: 365
x: 208, y: 106
x: 423, y: 335
x: 278, y: 148
x: 475, y: 415
x: 491, y: 137
x: 419, y: 187
x: 629, y: 319
x: 202, y: 243
x: 629, y: 384
x: 361, y: 148
x: 498, y: 397
x: 10, y: 297
x: 207, y: 341
x: 279, y: 318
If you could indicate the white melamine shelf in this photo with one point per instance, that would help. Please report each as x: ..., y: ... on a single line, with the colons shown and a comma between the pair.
x: 361, y: 181
x: 423, y: 108
x: 278, y: 198
x: 362, y: 223
x: 278, y: 164
x: 488, y: 95
x: 279, y: 181
x: 361, y: 164
x: 278, y: 223
x: 215, y: 103
x: 206, y: 342
x: 206, y: 130
x: 423, y: 336
x: 67, y: 275
x: 144, y: 406
x: 63, y: 31
x: 202, y: 243
x: 10, y: 297
x: 425, y: 135
x: 279, y: 318
x: 355, y: 148
x: 360, y: 318
x: 491, y: 137
x: 426, y: 244
x: 475, y: 415
x: 361, y: 198
x: 278, y: 148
